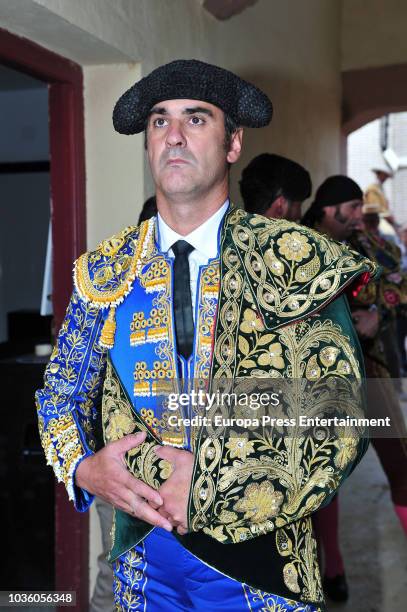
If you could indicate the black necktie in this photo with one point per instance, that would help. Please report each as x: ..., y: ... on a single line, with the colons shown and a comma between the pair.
x: 184, y: 322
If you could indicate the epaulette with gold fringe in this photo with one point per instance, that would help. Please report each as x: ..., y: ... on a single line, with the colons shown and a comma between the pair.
x: 104, y: 277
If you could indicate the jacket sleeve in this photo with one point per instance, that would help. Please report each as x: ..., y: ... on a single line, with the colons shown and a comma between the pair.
x: 258, y: 481
x: 67, y: 403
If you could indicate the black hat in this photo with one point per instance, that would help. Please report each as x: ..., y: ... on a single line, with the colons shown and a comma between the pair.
x: 334, y: 190
x: 194, y: 80
x: 268, y: 176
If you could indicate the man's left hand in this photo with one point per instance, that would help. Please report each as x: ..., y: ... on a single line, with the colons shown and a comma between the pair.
x: 175, y: 490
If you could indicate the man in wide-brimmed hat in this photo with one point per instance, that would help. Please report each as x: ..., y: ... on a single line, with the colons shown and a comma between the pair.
x: 375, y: 195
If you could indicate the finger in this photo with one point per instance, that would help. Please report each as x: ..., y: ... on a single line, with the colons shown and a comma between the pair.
x: 139, y: 508
x: 168, y: 452
x: 166, y: 515
x: 181, y: 530
x: 128, y: 442
x: 139, y: 488
x: 145, y: 512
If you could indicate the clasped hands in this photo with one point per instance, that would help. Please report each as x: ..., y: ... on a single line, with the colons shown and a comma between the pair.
x: 105, y: 474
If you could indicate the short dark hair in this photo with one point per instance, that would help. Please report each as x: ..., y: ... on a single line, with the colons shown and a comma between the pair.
x: 230, y: 128
x: 269, y: 176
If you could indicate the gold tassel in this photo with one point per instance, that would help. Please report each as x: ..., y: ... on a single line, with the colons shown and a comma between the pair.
x: 109, y: 330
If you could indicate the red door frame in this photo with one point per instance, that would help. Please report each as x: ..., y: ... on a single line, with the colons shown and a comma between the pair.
x: 68, y: 214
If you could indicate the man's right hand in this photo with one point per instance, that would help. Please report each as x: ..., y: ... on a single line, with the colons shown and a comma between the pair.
x: 105, y: 474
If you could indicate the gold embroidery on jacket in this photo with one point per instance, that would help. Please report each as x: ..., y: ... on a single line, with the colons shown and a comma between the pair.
x: 241, y: 487
x: 297, y: 272
x: 273, y: 273
x: 207, y: 301
x: 119, y: 420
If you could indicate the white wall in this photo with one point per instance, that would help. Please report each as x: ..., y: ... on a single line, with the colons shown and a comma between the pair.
x: 364, y: 153
x: 114, y: 163
x: 289, y: 48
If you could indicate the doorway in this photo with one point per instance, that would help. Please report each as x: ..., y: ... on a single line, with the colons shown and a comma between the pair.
x: 25, y: 214
x: 60, y: 177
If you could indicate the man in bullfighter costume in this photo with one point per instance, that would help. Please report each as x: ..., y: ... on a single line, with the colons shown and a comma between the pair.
x: 199, y: 295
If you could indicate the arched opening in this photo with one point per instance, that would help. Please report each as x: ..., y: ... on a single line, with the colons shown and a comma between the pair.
x: 384, y: 138
x: 371, y: 93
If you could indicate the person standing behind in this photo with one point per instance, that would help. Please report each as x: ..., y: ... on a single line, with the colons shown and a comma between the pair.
x: 275, y: 186
x: 337, y: 211
x: 375, y: 195
x: 393, y: 288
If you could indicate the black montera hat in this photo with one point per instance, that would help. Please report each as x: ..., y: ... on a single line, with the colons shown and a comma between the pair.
x: 334, y: 190
x: 194, y: 80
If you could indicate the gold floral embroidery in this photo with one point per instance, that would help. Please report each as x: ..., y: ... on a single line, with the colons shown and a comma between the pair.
x: 117, y: 416
x: 294, y: 246
x: 128, y: 595
x: 272, y: 356
x: 291, y: 577
x: 229, y: 485
x: 270, y: 602
x: 251, y: 321
x: 296, y: 544
x: 347, y: 450
x: 328, y: 355
x: 239, y: 446
x: 60, y: 408
x: 119, y: 425
x: 292, y: 271
x: 259, y: 502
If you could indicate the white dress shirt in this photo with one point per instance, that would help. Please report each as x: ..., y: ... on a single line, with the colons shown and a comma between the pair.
x: 204, y: 239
